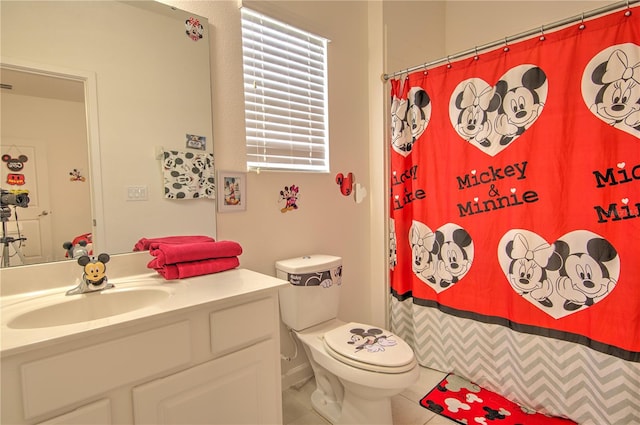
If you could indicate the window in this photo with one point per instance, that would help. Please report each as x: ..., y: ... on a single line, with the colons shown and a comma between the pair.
x: 285, y: 95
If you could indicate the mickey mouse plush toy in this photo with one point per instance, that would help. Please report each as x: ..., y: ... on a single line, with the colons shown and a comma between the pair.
x: 94, y: 277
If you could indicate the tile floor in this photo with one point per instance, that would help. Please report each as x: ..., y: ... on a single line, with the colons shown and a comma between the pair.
x: 406, y: 407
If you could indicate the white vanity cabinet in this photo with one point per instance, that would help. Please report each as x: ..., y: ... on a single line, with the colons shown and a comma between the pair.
x: 216, y: 362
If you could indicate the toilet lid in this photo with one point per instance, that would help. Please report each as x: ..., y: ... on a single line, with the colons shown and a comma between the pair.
x: 369, y: 345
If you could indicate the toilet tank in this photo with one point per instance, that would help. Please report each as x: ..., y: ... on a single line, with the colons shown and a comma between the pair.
x: 313, y: 293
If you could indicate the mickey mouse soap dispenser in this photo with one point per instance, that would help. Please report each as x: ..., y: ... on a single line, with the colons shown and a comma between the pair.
x: 94, y: 276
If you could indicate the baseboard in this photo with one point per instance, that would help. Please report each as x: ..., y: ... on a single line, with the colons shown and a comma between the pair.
x: 297, y: 376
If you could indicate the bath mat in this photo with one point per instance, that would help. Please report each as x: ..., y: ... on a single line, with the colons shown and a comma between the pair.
x: 467, y: 403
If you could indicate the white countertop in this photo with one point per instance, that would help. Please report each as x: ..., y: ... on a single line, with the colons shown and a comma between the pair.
x: 184, y: 294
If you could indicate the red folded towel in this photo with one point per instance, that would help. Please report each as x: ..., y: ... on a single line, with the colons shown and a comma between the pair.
x: 144, y: 243
x: 197, y: 268
x: 179, y: 253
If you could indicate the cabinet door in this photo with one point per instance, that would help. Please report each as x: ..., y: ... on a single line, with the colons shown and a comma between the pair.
x: 98, y: 413
x: 240, y: 388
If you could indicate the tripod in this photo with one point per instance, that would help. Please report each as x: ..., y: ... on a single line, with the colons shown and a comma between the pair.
x: 7, y: 240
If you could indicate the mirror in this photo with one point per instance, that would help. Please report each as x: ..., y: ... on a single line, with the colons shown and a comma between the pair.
x: 131, y: 81
x: 44, y: 131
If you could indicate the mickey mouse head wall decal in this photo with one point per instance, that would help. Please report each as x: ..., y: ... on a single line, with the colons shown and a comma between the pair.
x: 15, y: 164
x: 349, y: 186
x: 345, y: 183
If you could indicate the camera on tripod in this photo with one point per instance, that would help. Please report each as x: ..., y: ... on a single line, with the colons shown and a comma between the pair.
x: 7, y: 199
x: 18, y: 199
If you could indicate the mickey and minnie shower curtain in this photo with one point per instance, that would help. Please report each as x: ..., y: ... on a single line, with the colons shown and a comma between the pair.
x: 515, y: 195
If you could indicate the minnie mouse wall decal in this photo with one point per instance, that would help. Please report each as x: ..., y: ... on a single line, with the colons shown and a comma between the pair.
x: 193, y: 28
x: 290, y: 195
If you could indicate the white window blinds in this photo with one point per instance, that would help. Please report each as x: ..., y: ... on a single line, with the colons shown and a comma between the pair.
x: 285, y: 95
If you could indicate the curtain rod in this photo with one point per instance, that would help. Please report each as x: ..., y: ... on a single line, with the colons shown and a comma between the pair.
x: 522, y: 35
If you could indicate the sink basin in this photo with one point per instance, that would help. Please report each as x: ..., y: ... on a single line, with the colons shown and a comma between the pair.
x: 72, y: 309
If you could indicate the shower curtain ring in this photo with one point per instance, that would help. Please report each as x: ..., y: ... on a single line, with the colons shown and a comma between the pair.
x: 542, y: 37
x: 582, y: 25
x: 448, y: 62
x: 506, y: 45
x: 628, y: 12
x: 476, y: 57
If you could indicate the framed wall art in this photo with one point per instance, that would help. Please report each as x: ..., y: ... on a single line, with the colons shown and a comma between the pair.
x: 232, y: 191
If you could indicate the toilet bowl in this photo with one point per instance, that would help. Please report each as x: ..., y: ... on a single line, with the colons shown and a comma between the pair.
x: 357, y: 367
x: 356, y: 386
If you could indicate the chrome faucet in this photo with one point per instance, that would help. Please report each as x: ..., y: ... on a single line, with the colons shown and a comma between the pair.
x: 94, y: 277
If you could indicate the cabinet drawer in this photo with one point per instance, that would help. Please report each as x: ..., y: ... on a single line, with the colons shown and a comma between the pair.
x: 241, y: 326
x: 68, y: 378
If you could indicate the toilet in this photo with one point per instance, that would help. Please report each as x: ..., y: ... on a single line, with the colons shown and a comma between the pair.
x: 357, y: 367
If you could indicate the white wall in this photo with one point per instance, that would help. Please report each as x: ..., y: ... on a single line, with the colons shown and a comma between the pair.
x: 418, y: 32
x: 326, y: 221
x: 474, y: 23
x: 414, y: 32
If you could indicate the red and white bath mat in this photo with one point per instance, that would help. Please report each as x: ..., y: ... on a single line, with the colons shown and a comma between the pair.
x: 467, y: 403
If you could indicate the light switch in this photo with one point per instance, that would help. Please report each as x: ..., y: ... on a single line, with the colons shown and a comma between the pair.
x: 137, y: 193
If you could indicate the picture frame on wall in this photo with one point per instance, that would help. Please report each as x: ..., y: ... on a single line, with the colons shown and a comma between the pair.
x: 232, y: 191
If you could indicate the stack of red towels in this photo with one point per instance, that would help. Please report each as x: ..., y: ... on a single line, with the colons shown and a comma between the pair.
x: 179, y: 257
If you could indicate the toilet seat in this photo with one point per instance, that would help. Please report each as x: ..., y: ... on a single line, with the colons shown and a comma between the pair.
x: 369, y: 348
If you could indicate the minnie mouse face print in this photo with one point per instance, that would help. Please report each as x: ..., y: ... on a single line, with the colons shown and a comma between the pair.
x: 473, y: 123
x: 424, y: 251
x: 611, y: 87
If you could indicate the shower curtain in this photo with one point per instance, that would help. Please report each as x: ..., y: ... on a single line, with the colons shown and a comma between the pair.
x: 515, y: 219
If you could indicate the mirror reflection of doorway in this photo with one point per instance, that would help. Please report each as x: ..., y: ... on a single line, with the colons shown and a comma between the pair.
x: 44, y: 120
